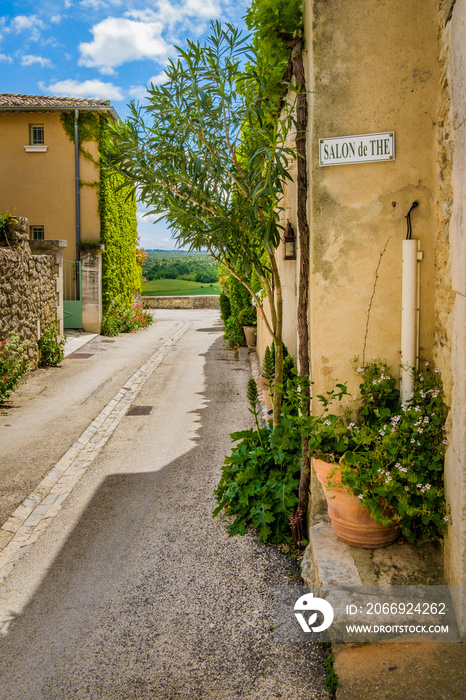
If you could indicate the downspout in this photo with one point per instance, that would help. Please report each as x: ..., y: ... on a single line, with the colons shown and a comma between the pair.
x: 410, y: 315
x: 77, y: 187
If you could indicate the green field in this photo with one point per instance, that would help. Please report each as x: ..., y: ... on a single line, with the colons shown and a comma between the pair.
x: 163, y: 288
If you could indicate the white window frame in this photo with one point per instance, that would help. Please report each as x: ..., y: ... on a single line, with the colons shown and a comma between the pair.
x: 35, y: 147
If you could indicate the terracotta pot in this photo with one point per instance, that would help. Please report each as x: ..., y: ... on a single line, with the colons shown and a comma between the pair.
x: 351, y: 521
x: 250, y: 333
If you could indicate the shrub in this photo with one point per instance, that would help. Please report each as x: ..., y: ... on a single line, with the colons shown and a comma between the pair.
x: 123, y: 319
x: 14, y: 364
x: 248, y: 316
x: 225, y: 308
x: 260, y: 479
x: 51, y: 350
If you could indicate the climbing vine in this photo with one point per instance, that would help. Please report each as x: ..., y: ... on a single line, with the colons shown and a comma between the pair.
x: 121, y: 273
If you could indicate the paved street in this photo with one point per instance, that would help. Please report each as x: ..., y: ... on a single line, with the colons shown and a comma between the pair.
x: 118, y: 584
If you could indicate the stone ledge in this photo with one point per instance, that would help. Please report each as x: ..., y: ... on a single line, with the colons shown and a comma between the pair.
x: 206, y: 301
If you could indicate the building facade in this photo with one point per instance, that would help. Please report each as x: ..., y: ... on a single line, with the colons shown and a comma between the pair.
x: 387, y: 128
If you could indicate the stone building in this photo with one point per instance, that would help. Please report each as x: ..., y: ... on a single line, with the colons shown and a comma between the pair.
x: 387, y: 128
x: 51, y: 175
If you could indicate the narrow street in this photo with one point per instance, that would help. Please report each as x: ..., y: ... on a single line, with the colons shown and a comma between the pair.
x: 131, y: 590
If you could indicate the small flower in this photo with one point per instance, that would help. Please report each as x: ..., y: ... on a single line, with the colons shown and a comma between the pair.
x: 419, y: 486
x: 428, y: 486
x: 436, y: 370
x: 446, y: 518
x: 406, y: 488
x: 361, y: 496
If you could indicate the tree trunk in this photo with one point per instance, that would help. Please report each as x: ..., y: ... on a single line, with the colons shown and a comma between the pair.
x: 303, y: 234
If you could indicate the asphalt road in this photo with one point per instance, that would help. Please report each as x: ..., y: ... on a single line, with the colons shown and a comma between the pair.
x: 134, y: 592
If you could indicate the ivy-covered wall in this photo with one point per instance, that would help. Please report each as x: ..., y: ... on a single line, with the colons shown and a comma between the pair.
x: 121, y: 274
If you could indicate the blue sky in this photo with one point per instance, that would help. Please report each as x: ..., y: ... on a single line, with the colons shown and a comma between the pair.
x: 105, y: 49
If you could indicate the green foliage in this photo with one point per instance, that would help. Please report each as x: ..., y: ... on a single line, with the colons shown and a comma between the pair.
x: 14, y: 364
x: 233, y: 333
x: 260, y: 480
x: 273, y: 21
x: 391, y: 454
x: 178, y: 287
x: 198, y: 267
x: 397, y: 460
x: 248, y: 316
x: 121, y: 318
x: 225, y: 307
x: 331, y: 679
x: 51, y: 350
x: 5, y: 220
x: 121, y: 274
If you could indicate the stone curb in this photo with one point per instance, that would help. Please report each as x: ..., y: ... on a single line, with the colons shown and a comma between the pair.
x: 32, y: 517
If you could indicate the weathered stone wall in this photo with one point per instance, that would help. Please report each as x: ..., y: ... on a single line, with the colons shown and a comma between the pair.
x: 450, y: 281
x: 208, y: 301
x: 29, y: 297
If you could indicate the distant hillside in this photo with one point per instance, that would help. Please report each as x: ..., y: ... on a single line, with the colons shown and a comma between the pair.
x: 180, y: 264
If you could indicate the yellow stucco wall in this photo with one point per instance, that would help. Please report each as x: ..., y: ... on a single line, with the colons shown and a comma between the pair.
x: 41, y: 186
x: 372, y: 67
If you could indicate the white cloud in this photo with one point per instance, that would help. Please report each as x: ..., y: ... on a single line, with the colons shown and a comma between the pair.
x: 31, y: 24
x: 56, y: 19
x: 119, y: 40
x: 95, y: 89
x: 140, y: 91
x: 30, y: 60
x: 5, y: 59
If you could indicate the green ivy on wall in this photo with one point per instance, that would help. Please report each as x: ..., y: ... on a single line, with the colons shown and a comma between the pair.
x: 121, y: 274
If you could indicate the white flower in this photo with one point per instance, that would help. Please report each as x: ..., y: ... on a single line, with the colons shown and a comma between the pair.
x: 361, y: 496
x: 406, y: 488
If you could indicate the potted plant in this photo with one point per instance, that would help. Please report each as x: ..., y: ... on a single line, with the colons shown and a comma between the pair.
x: 247, y: 318
x: 386, y: 455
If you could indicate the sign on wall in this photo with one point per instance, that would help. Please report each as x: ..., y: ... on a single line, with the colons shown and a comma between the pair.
x: 365, y: 148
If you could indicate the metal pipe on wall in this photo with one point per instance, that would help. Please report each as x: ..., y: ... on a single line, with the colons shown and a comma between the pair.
x: 409, y: 316
x: 76, y: 177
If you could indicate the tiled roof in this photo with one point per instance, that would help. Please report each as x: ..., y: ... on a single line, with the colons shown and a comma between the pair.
x: 43, y: 103
x: 10, y: 100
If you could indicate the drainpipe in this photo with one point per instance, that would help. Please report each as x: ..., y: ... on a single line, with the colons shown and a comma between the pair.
x: 410, y: 297
x: 77, y: 188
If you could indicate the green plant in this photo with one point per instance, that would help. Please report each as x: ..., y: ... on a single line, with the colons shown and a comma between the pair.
x: 5, y: 220
x: 248, y: 316
x: 331, y: 680
x: 233, y: 332
x: 225, y: 307
x: 209, y: 153
x: 252, y: 395
x: 121, y: 318
x: 51, y: 350
x: 121, y: 274
x: 14, y: 364
x: 260, y: 480
x: 391, y: 455
x: 397, y: 459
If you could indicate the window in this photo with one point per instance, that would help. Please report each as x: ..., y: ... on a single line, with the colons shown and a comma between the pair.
x: 36, y: 233
x: 36, y: 134
x: 36, y: 139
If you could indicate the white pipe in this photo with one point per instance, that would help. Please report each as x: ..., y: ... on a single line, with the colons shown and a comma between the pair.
x: 409, y: 317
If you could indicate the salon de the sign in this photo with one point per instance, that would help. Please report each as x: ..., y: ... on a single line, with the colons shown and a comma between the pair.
x: 365, y: 148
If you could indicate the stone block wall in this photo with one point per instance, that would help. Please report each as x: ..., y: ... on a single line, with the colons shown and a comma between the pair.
x: 208, y: 301
x: 29, y: 293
